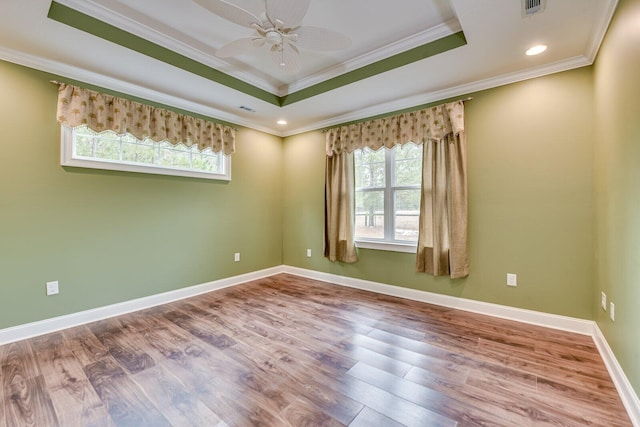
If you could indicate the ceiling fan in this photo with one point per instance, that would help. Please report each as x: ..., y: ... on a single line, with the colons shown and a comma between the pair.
x: 279, y: 29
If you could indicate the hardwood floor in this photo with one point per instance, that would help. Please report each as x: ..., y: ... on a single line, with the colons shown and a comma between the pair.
x: 288, y: 351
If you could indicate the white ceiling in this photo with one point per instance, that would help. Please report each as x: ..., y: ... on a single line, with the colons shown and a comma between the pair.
x: 496, y: 32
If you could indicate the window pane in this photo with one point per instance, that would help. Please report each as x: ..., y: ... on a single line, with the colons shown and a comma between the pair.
x: 370, y: 214
x: 206, y: 162
x: 407, y: 203
x: 175, y: 156
x: 369, y: 168
x: 139, y: 153
x: 408, y: 164
x: 108, y: 147
x: 84, y: 146
x: 126, y: 152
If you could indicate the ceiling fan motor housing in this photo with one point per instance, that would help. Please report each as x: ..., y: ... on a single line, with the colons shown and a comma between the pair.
x: 280, y: 28
x: 273, y: 37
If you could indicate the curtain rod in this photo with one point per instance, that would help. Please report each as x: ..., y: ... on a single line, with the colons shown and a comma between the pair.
x: 323, y: 130
x: 463, y: 100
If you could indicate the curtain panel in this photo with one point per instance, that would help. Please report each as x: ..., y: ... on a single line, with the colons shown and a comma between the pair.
x: 101, y: 112
x: 339, y: 209
x: 442, y: 235
x: 442, y: 239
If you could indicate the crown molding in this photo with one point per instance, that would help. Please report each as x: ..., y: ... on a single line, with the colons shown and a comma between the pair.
x: 143, y: 30
x: 597, y: 36
x: 427, y: 36
x: 147, y: 32
x: 75, y: 73
x: 97, y: 79
x: 465, y: 89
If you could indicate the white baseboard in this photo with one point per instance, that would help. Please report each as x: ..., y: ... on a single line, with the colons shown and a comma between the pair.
x: 580, y: 326
x: 585, y: 327
x: 29, y: 330
x: 46, y: 326
x: 570, y: 324
x: 627, y: 394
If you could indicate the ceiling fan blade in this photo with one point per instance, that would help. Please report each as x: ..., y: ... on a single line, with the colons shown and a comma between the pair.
x: 316, y: 38
x: 230, y: 12
x: 237, y: 47
x: 290, y: 12
x: 286, y: 58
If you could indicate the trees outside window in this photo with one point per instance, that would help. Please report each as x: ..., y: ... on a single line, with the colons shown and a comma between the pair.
x: 108, y: 150
x: 388, y: 194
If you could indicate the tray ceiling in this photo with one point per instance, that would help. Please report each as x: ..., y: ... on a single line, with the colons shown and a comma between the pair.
x: 403, y: 54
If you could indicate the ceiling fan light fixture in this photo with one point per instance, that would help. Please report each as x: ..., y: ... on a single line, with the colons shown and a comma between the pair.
x: 273, y: 37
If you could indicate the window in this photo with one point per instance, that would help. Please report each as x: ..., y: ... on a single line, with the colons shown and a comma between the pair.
x: 388, y: 197
x: 83, y: 147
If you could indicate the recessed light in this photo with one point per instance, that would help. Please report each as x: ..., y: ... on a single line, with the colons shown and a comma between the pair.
x: 282, y: 122
x: 535, y: 50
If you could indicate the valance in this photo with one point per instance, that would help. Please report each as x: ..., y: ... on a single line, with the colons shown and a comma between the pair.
x: 432, y: 123
x: 101, y: 112
x: 442, y: 233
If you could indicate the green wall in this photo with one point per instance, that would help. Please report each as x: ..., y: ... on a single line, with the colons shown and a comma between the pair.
x: 617, y: 148
x: 537, y: 151
x: 109, y: 237
x: 531, y: 208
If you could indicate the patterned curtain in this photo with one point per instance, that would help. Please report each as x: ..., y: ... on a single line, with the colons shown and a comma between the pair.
x: 339, y: 208
x: 100, y: 112
x: 442, y: 239
x: 417, y: 126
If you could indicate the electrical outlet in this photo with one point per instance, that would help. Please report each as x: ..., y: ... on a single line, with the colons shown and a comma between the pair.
x: 512, y: 279
x: 603, y: 301
x: 612, y: 312
x: 52, y: 288
x: 236, y: 257
x: 309, y: 253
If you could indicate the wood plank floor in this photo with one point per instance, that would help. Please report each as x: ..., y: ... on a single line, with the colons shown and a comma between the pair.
x: 288, y: 351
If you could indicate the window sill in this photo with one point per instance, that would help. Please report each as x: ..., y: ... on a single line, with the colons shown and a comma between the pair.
x: 386, y: 246
x: 148, y: 169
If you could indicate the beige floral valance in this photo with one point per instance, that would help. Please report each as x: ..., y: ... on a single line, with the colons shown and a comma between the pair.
x: 100, y: 112
x: 432, y: 123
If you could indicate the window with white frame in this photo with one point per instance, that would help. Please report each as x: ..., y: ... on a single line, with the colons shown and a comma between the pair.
x: 83, y: 147
x: 388, y: 197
